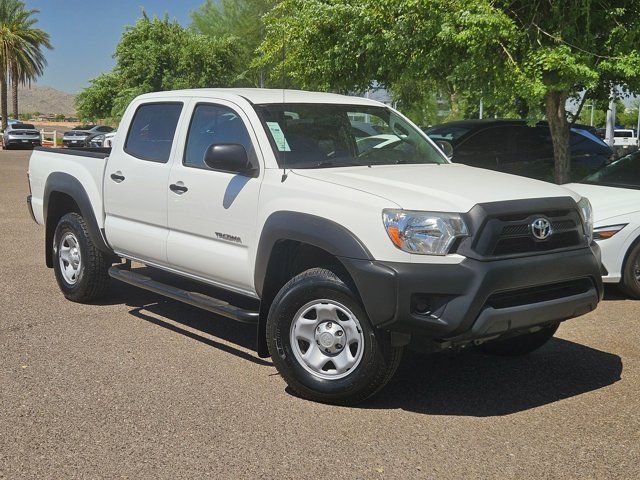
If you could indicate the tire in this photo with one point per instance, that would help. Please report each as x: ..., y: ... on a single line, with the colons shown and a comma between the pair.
x: 363, y: 364
x: 86, y: 276
x: 630, y: 283
x: 521, y: 344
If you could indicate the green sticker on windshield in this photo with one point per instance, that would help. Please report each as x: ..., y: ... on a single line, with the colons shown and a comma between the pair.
x: 278, y: 136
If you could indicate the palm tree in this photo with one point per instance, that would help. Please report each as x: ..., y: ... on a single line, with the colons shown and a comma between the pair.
x: 21, y: 57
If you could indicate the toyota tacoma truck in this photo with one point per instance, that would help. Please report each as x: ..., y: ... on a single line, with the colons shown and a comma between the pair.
x: 340, y: 253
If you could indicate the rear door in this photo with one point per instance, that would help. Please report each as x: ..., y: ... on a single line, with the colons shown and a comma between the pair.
x: 212, y: 213
x: 136, y: 181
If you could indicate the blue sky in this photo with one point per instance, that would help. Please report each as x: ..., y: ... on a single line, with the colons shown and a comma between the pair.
x: 84, y: 34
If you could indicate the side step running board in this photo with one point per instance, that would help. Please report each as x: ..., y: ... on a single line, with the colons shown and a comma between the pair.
x: 192, y: 298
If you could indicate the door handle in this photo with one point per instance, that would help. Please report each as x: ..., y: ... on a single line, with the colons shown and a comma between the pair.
x: 117, y: 177
x: 179, y: 189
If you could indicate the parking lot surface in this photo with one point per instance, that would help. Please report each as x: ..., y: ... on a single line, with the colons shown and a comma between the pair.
x: 143, y: 387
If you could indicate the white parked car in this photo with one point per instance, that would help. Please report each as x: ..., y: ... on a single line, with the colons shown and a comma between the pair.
x: 108, y: 139
x: 102, y: 140
x: 614, y: 192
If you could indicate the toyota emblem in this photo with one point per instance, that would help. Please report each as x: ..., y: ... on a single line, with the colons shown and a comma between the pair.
x: 541, y: 228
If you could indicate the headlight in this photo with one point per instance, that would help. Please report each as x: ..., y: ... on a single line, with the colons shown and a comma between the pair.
x: 587, y: 217
x: 602, y: 233
x: 98, y: 139
x: 423, y: 233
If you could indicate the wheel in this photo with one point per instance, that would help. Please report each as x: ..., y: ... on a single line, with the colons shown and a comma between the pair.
x: 519, y: 345
x: 322, y: 343
x: 630, y: 283
x: 81, y: 269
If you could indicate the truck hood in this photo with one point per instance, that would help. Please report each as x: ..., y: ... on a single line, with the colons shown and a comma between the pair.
x: 442, y: 188
x: 608, y: 202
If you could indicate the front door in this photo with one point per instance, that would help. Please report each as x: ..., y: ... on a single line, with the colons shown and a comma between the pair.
x: 212, y: 213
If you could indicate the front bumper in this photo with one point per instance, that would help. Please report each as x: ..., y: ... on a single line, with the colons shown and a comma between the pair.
x: 478, y: 299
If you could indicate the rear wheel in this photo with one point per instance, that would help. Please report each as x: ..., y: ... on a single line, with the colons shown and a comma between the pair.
x: 322, y: 343
x: 631, y: 275
x: 80, y: 268
x: 521, y: 344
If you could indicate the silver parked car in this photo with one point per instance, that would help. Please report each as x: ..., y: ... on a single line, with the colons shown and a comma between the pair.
x: 21, y: 135
x: 79, y: 136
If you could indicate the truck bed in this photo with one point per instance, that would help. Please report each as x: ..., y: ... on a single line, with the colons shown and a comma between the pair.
x: 86, y: 166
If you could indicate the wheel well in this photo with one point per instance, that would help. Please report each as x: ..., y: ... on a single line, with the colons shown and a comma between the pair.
x: 626, y: 256
x: 59, y: 205
x: 289, y: 258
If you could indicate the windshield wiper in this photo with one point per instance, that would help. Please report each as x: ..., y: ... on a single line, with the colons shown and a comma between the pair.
x: 330, y: 164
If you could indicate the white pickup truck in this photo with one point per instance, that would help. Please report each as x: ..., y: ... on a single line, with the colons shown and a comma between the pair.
x: 625, y: 140
x: 348, y: 254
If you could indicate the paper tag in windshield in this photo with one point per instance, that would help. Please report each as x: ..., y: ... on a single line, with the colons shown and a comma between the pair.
x: 278, y: 136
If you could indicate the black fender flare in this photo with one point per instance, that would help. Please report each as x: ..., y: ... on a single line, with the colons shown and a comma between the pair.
x: 60, y: 182
x: 309, y: 229
x: 376, y: 284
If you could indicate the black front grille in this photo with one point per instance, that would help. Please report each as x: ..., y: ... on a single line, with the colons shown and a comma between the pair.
x: 526, y: 243
x: 511, y: 234
x: 540, y: 293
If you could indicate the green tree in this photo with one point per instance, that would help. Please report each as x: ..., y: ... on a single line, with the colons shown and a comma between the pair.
x: 518, y: 55
x: 241, y: 21
x: 154, y: 55
x: 96, y: 101
x: 628, y: 116
x: 21, y: 56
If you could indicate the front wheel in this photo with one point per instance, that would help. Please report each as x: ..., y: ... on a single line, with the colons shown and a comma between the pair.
x: 82, y: 271
x: 631, y: 275
x: 521, y: 344
x: 322, y: 343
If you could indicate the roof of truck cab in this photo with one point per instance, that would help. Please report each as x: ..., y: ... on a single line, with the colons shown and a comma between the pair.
x: 267, y: 95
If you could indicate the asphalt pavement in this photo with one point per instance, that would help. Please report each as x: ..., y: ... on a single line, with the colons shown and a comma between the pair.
x: 138, y: 386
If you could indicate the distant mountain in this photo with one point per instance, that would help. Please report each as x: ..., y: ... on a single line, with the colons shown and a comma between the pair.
x: 44, y: 99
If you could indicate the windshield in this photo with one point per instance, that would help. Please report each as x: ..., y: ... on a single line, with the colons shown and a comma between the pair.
x: 23, y: 126
x: 321, y: 135
x: 84, y: 127
x: 624, y: 173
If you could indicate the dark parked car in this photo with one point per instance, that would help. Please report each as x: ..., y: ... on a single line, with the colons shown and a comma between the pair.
x: 512, y: 146
x: 81, y: 136
x: 19, y: 135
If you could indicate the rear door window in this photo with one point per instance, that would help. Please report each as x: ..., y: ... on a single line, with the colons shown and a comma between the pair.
x: 152, y: 131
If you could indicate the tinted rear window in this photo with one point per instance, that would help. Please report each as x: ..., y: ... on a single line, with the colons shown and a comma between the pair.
x: 152, y: 130
x: 623, y: 134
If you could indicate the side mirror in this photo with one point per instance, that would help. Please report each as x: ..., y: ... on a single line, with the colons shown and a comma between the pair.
x: 446, y: 148
x: 229, y: 157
